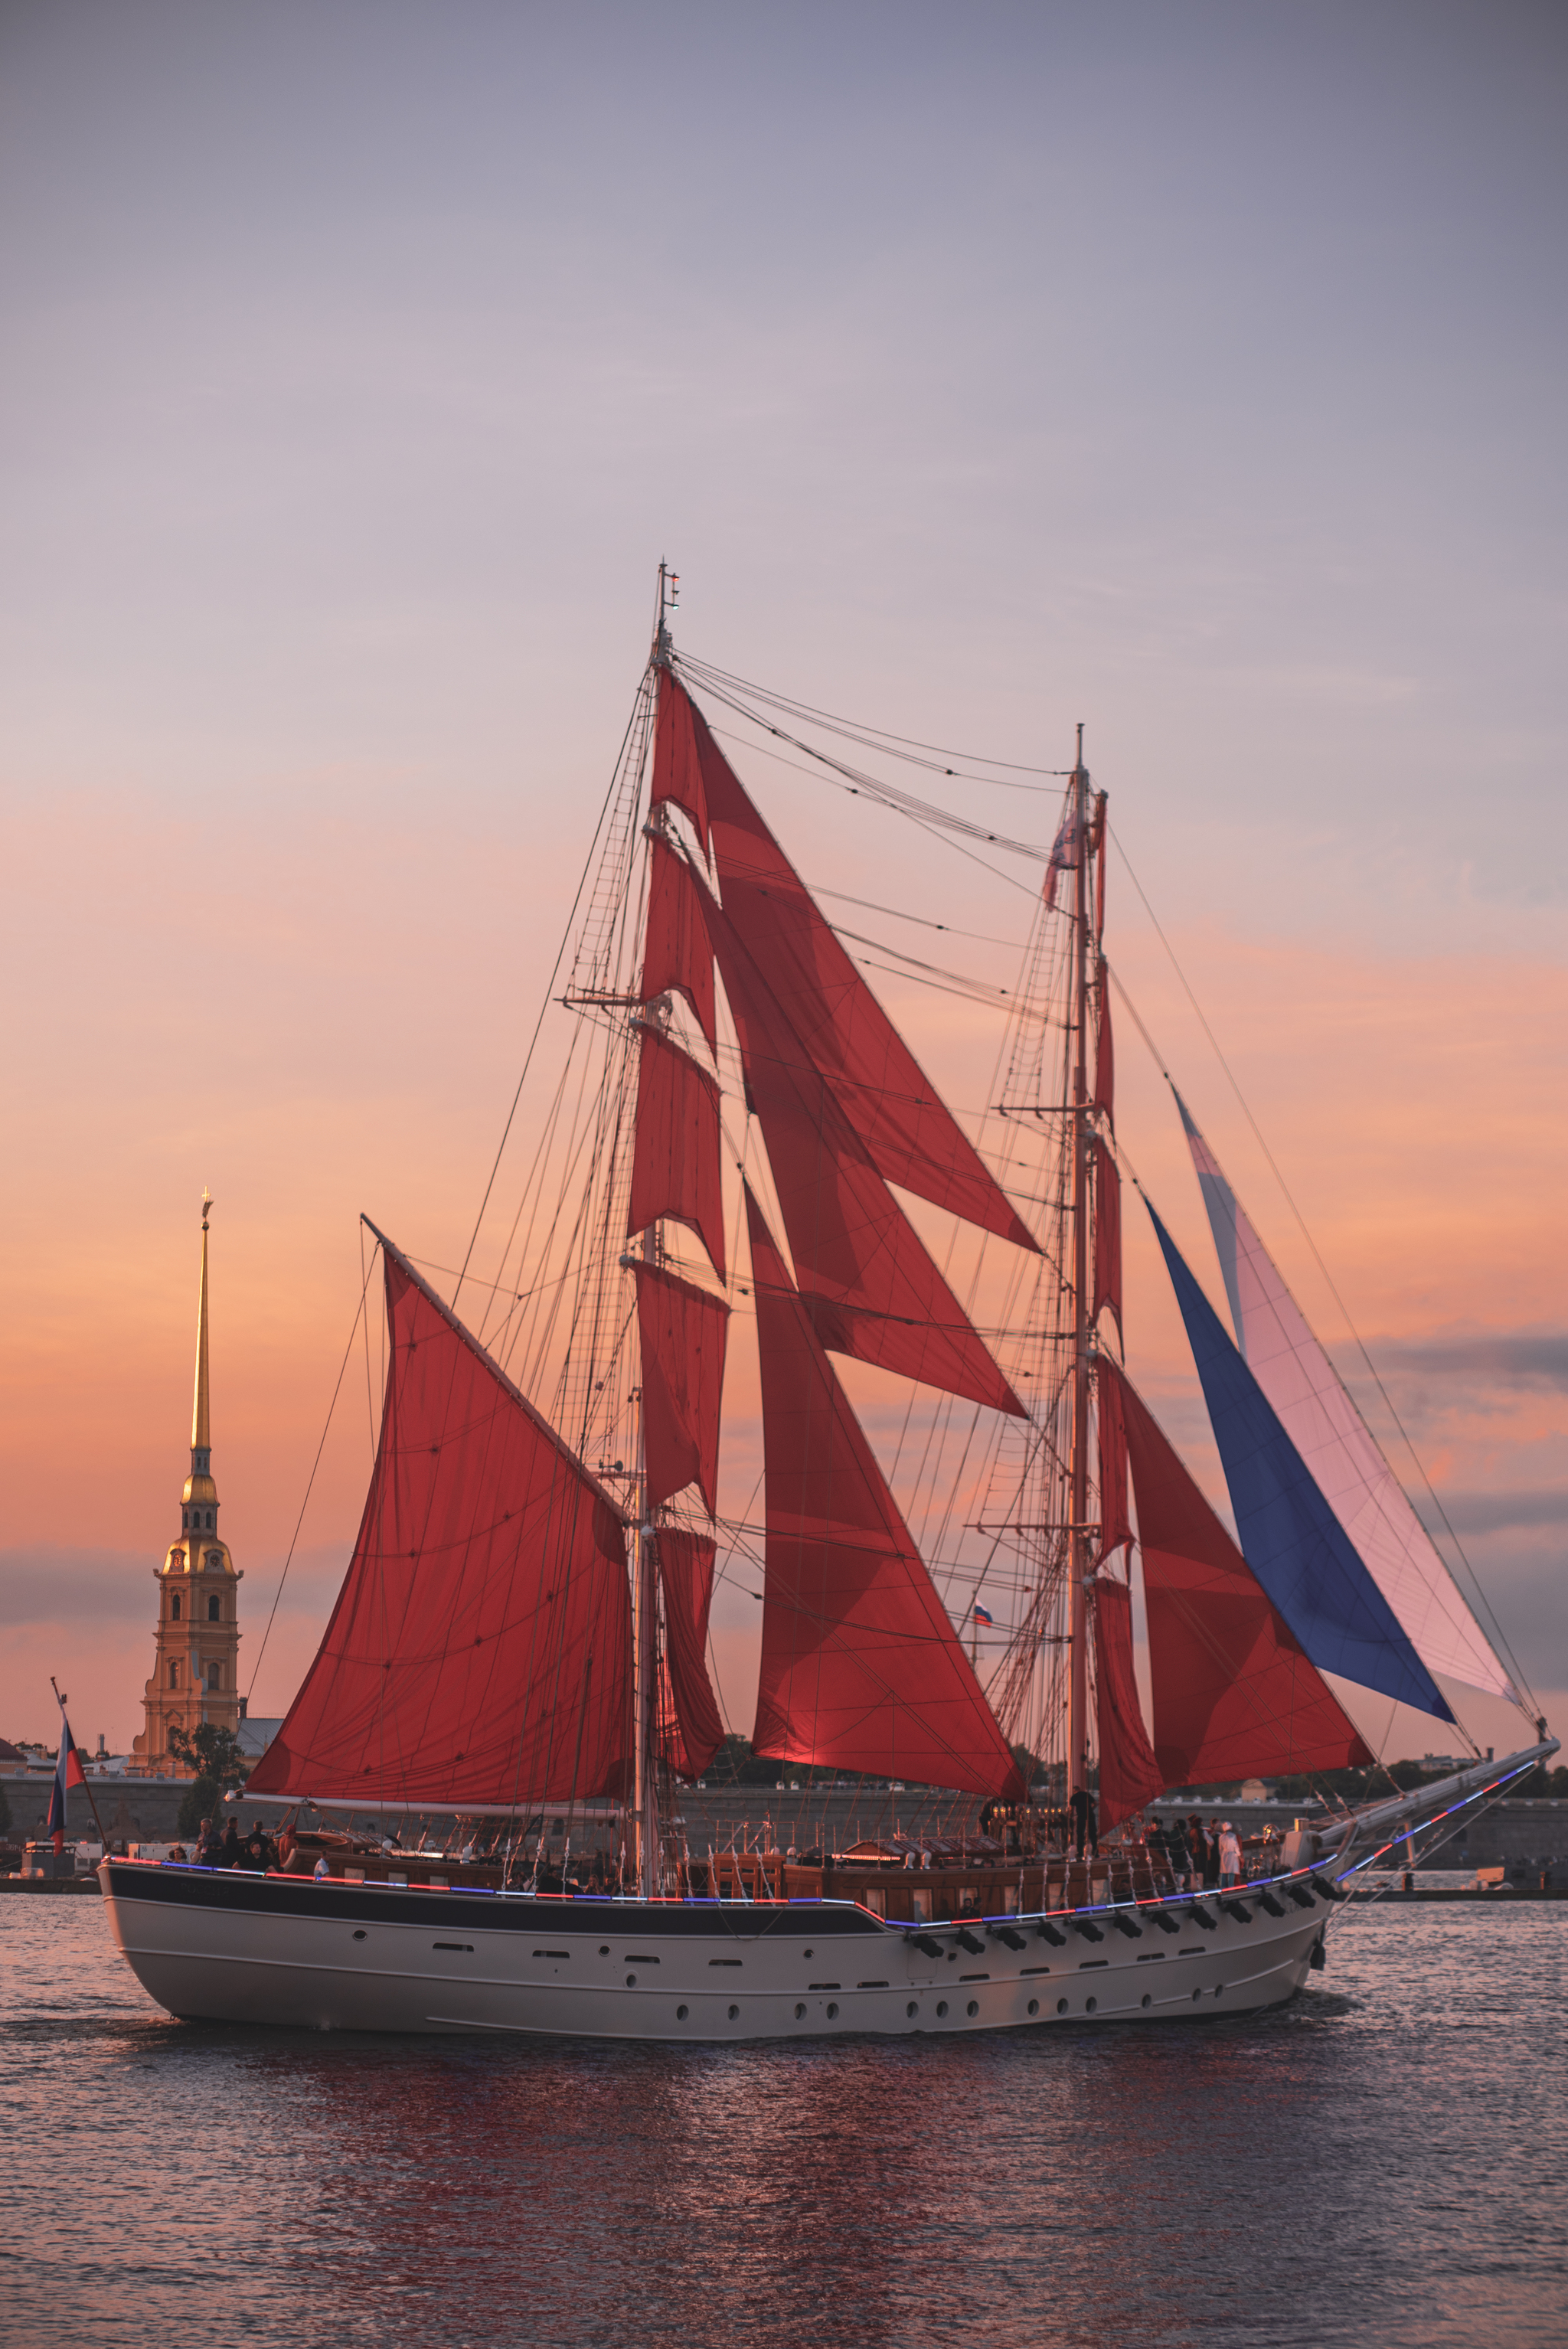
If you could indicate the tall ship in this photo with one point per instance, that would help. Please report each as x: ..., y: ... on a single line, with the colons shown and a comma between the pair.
x: 735, y: 1134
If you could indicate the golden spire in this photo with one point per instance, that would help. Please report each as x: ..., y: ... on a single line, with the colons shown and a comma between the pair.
x: 200, y: 1422
x: 200, y: 1486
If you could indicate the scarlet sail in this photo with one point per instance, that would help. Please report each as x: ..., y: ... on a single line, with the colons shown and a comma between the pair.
x: 675, y: 1159
x: 844, y: 1035
x: 675, y: 952
x: 861, y: 1667
x: 682, y: 1331
x: 1235, y: 1694
x: 479, y: 1651
x: 686, y: 1577
x: 1130, y: 1774
x: 866, y: 1276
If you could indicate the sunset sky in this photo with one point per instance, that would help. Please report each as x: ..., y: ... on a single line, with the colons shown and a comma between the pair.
x: 1195, y: 373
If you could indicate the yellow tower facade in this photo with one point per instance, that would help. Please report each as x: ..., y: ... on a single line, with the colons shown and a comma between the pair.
x: 196, y: 1667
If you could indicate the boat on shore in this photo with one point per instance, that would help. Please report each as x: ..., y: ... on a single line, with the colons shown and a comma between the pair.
x: 523, y: 1627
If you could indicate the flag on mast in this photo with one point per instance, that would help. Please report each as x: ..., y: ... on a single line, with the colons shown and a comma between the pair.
x: 68, y: 1773
x: 981, y: 1615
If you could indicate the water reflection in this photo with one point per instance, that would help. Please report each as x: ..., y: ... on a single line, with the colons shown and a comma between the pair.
x: 1365, y: 2166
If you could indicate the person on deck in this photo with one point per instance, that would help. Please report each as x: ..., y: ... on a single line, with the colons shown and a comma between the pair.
x: 209, y: 1846
x: 1085, y: 1823
x: 1229, y: 1856
x: 1211, y: 1855
x: 1197, y: 1853
x: 229, y: 1854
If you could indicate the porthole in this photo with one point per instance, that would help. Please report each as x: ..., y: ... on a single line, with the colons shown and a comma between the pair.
x: 1033, y: 2006
x: 735, y: 2010
x: 808, y: 1953
x: 1219, y: 1990
x: 941, y: 2008
x: 832, y: 2011
x: 1196, y: 1994
x: 359, y: 1933
x: 973, y: 2007
x: 604, y: 1949
x: 911, y: 2010
x: 630, y: 1982
x: 1061, y: 2006
x: 800, y: 2014
x: 1091, y: 2005
x: 682, y: 2012
x: 1147, y: 1999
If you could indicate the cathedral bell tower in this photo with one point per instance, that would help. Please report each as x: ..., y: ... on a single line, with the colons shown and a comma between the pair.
x: 195, y: 1672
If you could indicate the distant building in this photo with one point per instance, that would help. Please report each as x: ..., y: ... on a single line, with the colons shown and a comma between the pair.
x: 196, y: 1661
x: 257, y: 1732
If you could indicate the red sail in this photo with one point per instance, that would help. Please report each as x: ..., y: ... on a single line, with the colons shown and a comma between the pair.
x: 1115, y: 1524
x: 479, y: 1651
x: 861, y: 1667
x: 676, y: 954
x: 1130, y: 1776
x: 910, y: 1137
x: 682, y: 1329
x: 675, y: 1159
x: 677, y: 758
x: 865, y: 1277
x: 1104, y: 1052
x: 1107, y: 1233
x: 686, y: 1577
x: 1234, y: 1696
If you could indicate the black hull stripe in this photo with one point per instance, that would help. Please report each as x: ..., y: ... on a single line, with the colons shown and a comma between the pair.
x: 232, y: 1893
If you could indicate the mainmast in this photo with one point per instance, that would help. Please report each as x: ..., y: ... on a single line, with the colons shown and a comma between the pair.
x: 645, y: 1594
x: 1077, y: 1532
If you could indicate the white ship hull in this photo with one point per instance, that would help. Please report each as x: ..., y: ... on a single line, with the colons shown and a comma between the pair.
x: 230, y: 1946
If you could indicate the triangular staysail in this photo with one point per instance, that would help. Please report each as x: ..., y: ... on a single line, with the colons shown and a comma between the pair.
x: 1234, y: 1696
x: 1293, y: 1541
x: 865, y: 1276
x: 861, y: 1668
x: 908, y: 1136
x: 479, y: 1649
x: 1325, y: 1427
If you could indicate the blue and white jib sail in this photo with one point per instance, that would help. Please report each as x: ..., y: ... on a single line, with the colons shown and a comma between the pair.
x: 1315, y: 1412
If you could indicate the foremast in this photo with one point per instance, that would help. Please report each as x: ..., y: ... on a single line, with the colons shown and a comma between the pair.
x: 1080, y: 1557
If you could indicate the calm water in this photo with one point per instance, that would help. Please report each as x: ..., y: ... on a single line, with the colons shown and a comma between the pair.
x: 1382, y: 2162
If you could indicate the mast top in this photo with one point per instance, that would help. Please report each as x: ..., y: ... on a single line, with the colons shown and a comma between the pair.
x: 669, y: 601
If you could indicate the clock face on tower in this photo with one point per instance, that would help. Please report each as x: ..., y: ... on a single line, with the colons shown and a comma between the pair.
x: 214, y: 1561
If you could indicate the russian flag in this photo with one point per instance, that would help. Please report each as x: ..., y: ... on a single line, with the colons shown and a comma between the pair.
x: 980, y: 1614
x: 68, y: 1773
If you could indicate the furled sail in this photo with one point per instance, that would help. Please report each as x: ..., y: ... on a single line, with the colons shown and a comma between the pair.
x: 479, y: 1650
x: 676, y: 956
x: 674, y: 1158
x: 1130, y: 1774
x: 1291, y: 1539
x: 861, y: 1668
x: 1234, y: 1696
x: 1106, y: 1292
x: 1115, y: 1524
x: 686, y: 1562
x: 1325, y: 1427
x: 844, y: 1035
x: 1104, y: 1049
x: 866, y: 1276
x: 682, y: 1331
